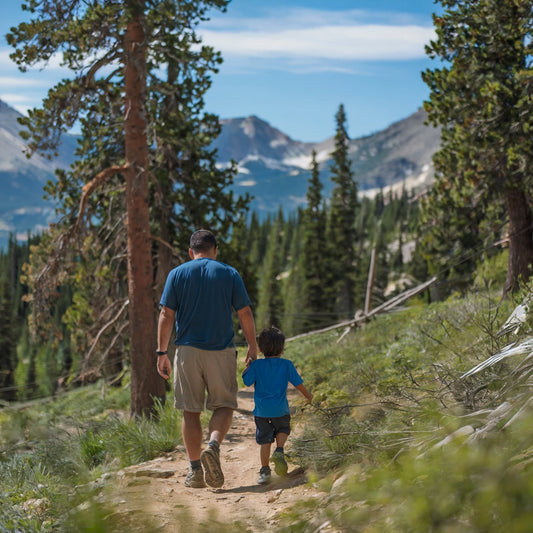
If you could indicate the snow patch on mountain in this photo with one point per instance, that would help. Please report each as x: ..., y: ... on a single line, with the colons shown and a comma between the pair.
x: 411, y: 182
x: 282, y: 141
x: 303, y: 160
x: 248, y: 128
x: 268, y: 162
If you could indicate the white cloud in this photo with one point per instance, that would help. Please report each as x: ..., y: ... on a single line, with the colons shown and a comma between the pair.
x: 300, y: 17
x: 4, y: 58
x: 329, y: 39
x: 24, y: 81
x: 345, y: 43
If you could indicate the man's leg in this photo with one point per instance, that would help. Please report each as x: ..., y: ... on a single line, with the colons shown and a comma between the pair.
x: 218, y: 427
x: 191, y: 430
x: 220, y: 423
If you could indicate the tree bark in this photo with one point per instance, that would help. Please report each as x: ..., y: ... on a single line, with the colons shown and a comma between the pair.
x: 146, y: 384
x: 164, y: 253
x: 520, y: 240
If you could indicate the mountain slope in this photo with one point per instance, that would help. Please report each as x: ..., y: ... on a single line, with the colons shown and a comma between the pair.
x: 273, y: 168
x: 22, y: 207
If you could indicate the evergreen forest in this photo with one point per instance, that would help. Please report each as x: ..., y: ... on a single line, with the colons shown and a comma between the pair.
x: 285, y: 263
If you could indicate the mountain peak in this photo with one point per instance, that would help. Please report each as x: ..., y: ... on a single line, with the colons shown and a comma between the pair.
x: 251, y: 136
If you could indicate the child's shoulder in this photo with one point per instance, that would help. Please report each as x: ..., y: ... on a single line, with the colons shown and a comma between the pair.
x: 277, y: 360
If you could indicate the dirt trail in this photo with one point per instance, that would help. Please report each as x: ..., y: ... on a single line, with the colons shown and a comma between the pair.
x: 155, y: 490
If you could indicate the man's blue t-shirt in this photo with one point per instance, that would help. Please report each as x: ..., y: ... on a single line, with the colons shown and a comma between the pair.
x: 203, y: 293
x: 271, y: 377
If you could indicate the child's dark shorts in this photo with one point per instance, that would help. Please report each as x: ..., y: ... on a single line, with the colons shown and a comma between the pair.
x: 268, y: 428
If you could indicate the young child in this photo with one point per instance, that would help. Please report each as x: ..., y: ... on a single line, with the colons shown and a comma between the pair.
x: 270, y: 377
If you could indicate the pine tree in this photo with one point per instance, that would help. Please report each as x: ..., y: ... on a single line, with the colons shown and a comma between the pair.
x: 293, y: 283
x: 7, y: 341
x: 482, y: 99
x: 136, y: 126
x: 270, y: 301
x: 341, y: 221
x: 315, y: 263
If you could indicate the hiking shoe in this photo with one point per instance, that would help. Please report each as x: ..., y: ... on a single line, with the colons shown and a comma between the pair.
x: 280, y: 464
x: 195, y: 478
x: 210, y: 458
x: 264, y: 475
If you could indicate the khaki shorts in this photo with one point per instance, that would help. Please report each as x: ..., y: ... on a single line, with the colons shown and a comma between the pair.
x: 197, y: 371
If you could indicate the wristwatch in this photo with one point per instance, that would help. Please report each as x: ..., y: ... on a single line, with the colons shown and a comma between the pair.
x: 161, y: 353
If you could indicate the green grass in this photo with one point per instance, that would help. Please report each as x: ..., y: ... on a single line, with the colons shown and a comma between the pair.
x: 386, y: 398
x: 48, y: 449
x: 388, y: 394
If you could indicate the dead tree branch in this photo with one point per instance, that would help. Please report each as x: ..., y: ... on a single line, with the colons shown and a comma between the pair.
x: 88, y: 189
x: 100, y: 333
x: 362, y: 317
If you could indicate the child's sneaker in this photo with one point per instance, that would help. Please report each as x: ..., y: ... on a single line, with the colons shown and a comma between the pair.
x: 280, y: 464
x: 264, y: 475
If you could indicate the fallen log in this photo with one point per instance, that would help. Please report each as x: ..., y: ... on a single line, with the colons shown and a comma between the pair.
x: 361, y: 317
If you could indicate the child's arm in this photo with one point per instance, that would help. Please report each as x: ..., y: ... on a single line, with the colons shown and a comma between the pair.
x: 304, y: 391
x: 247, y: 377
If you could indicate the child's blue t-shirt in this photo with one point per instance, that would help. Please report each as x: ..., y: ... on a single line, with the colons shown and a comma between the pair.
x: 271, y: 377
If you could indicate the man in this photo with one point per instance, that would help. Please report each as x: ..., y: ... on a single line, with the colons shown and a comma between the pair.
x: 198, y: 299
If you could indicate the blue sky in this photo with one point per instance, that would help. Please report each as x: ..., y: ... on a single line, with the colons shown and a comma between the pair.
x: 291, y: 63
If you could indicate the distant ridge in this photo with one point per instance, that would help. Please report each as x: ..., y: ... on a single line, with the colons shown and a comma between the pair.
x: 273, y: 168
x: 22, y: 207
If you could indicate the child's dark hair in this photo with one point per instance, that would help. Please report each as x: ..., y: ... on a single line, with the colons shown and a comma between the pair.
x: 271, y: 341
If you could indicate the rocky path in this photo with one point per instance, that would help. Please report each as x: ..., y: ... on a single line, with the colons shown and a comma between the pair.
x: 155, y: 491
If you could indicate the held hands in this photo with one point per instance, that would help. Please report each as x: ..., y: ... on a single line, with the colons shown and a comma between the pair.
x: 163, y: 366
x: 251, y: 355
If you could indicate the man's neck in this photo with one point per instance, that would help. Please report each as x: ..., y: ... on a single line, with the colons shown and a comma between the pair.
x: 202, y: 255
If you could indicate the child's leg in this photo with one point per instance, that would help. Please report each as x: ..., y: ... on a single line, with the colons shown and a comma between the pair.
x: 281, y: 439
x: 278, y: 457
x: 265, y: 454
x: 282, y: 427
x: 264, y: 437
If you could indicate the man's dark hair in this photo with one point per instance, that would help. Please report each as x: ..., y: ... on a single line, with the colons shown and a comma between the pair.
x: 271, y: 341
x: 202, y: 241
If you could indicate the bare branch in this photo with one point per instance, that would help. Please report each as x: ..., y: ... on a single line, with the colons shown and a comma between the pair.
x: 111, y: 345
x: 161, y: 241
x: 88, y: 188
x: 362, y: 317
x: 100, y: 333
x: 88, y: 79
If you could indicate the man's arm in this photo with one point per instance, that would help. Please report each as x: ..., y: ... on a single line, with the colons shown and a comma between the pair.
x: 246, y: 319
x: 164, y: 331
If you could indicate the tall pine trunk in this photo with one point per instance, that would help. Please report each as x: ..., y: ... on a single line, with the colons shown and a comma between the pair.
x: 145, y: 381
x: 520, y: 239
